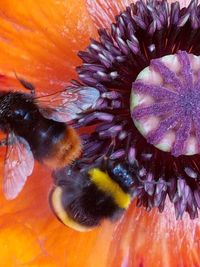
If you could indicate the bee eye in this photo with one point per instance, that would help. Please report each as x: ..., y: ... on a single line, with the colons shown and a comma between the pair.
x: 27, y: 116
x: 21, y: 114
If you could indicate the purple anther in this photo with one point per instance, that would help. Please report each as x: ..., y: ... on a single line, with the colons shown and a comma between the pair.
x: 180, y: 186
x: 111, y: 95
x: 102, y: 116
x: 104, y: 126
x: 117, y: 154
x: 115, y: 104
x: 101, y: 104
x: 183, y: 20
x: 124, y: 47
x: 161, y: 186
x: 113, y: 75
x: 113, y: 131
x: 133, y: 46
x: 106, y: 62
x: 131, y: 155
x: 190, y: 172
x: 122, y: 135
x: 149, y: 187
x: 197, y: 197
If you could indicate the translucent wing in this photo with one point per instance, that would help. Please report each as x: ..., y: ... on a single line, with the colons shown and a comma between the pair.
x: 67, y: 105
x: 19, y: 164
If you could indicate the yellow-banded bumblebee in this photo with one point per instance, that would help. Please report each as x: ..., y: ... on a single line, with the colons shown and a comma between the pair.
x: 35, y: 128
x: 86, y: 193
x: 82, y: 199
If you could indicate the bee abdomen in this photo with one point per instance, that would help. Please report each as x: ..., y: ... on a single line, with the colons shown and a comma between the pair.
x: 89, y: 198
x: 45, y: 135
x: 106, y: 184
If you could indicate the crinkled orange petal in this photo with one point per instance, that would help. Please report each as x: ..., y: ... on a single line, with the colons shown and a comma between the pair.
x: 40, y: 40
x: 103, y: 12
x: 155, y: 239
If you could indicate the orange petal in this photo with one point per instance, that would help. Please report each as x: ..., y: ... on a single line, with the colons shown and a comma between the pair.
x: 15, y: 250
x: 103, y: 12
x: 39, y: 40
x: 49, y: 242
x: 155, y: 239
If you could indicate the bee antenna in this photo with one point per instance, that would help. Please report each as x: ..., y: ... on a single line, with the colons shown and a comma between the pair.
x: 25, y: 84
x: 111, y: 147
x: 109, y: 152
x: 128, y: 143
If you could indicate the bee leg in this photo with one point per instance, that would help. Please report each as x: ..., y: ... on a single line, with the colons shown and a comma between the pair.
x: 27, y: 85
x: 105, y: 159
x: 86, y: 161
x: 6, y: 142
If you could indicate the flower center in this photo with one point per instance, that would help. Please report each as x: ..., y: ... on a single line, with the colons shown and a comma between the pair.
x: 165, y: 103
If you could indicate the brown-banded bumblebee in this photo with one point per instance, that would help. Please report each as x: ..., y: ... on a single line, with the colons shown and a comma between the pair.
x: 36, y: 129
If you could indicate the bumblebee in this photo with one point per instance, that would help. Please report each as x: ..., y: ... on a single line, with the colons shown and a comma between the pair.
x: 95, y: 189
x: 81, y: 199
x: 36, y: 129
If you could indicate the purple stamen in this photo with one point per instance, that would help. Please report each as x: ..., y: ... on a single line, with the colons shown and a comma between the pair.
x: 131, y: 155
x: 117, y: 154
x: 190, y: 172
x: 111, y: 132
x: 102, y: 116
x: 111, y: 95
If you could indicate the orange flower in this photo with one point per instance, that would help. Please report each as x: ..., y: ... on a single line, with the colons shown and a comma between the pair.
x: 39, y: 40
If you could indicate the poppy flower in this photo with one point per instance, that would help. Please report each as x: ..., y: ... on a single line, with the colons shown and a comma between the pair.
x: 40, y: 42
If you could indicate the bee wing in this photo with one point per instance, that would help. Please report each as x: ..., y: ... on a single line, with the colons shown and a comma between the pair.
x: 19, y: 164
x: 67, y: 105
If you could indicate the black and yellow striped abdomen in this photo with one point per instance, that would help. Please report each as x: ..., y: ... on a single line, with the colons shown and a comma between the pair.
x: 110, y: 187
x: 83, y: 201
